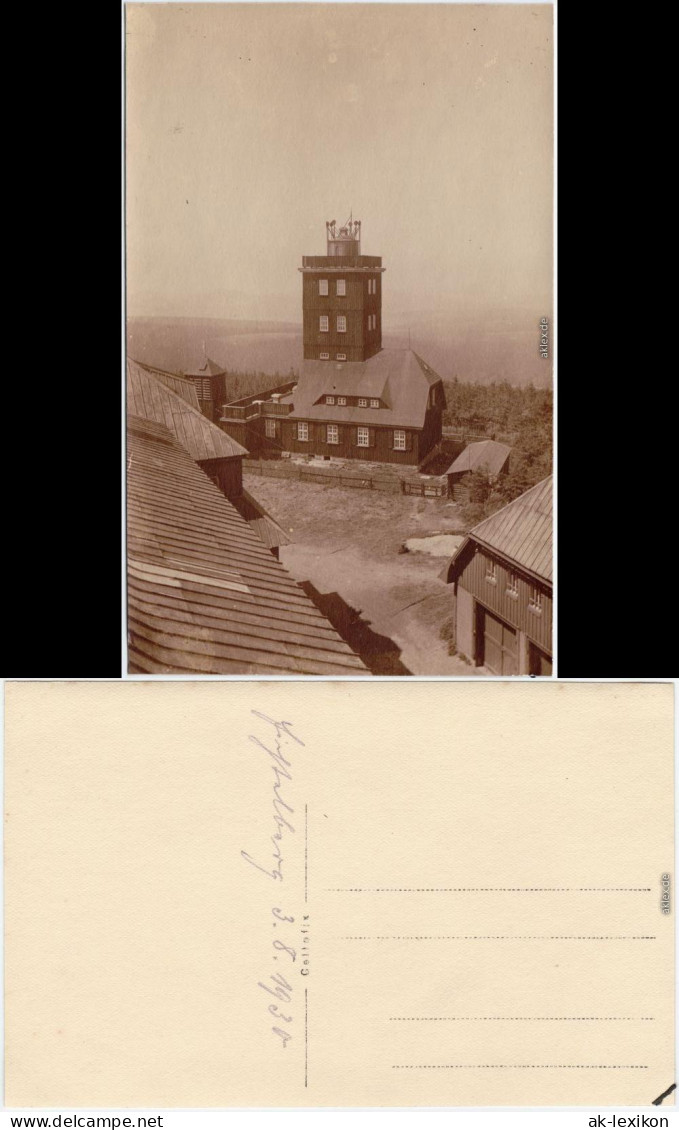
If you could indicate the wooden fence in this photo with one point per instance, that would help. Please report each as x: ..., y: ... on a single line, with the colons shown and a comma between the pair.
x: 390, y: 484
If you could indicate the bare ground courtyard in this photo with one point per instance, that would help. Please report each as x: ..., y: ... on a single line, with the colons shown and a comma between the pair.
x: 388, y: 605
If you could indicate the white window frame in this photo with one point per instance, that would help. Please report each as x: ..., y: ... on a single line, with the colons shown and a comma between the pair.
x: 491, y: 571
x: 340, y: 356
x: 323, y: 287
x: 341, y: 323
x: 341, y: 399
x: 330, y: 400
x: 363, y: 437
x: 374, y: 403
x: 362, y: 402
x: 270, y: 429
x: 332, y: 434
x: 325, y: 356
x: 535, y: 600
x: 323, y: 323
x: 513, y: 586
x: 303, y: 432
x: 341, y: 288
x: 399, y: 439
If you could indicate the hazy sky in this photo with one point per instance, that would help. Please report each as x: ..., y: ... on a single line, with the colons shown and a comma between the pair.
x: 250, y: 125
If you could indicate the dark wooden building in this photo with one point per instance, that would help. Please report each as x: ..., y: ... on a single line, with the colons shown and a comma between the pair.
x: 353, y: 399
x: 502, y: 578
x: 208, y: 379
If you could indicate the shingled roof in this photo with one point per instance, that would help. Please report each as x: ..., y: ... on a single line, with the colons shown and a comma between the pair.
x: 185, y: 389
x: 204, y: 595
x: 148, y: 395
x: 521, y: 532
x: 397, y: 377
x: 486, y: 453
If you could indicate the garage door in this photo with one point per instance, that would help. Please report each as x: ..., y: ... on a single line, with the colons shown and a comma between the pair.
x: 498, y: 645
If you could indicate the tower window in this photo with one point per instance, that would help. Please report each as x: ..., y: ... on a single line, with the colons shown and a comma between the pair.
x: 341, y: 356
x: 341, y: 399
x: 374, y: 403
x: 333, y: 433
x: 363, y: 437
x: 330, y: 400
x: 341, y: 287
x: 399, y: 441
x: 323, y: 323
x: 322, y: 286
x: 303, y: 432
x: 341, y: 324
x: 325, y: 356
x: 270, y: 429
x: 362, y: 402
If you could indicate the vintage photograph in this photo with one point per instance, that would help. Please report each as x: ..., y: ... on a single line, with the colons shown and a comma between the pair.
x: 339, y: 339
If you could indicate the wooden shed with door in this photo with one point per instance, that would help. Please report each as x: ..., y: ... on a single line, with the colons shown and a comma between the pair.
x: 502, y: 578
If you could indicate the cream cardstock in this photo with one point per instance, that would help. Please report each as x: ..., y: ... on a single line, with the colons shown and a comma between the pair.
x: 311, y: 894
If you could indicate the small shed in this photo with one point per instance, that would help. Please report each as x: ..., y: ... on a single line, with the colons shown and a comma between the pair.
x: 493, y: 457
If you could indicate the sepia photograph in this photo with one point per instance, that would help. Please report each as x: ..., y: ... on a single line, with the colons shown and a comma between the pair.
x: 339, y: 337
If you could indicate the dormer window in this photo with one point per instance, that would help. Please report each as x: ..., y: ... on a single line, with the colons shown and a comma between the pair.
x: 362, y: 402
x: 374, y: 403
x: 330, y: 400
x: 341, y: 399
x: 341, y: 288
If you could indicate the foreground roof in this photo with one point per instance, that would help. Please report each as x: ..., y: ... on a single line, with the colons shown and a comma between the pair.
x: 204, y: 595
x: 398, y: 377
x: 154, y: 399
x: 486, y: 453
x: 185, y: 389
x: 520, y: 532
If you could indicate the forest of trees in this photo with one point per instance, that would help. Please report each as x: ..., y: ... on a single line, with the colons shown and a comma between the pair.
x: 495, y: 409
x: 238, y: 384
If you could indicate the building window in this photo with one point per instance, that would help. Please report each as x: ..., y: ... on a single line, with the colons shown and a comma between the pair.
x: 341, y: 287
x: 491, y: 572
x: 323, y: 323
x: 535, y: 600
x: 341, y: 399
x: 330, y: 400
x: 270, y: 429
x: 333, y: 433
x: 341, y: 323
x: 362, y: 402
x: 374, y: 403
x: 341, y: 356
x: 322, y: 286
x: 325, y: 356
x: 513, y: 586
x: 399, y: 441
x: 303, y: 432
x: 363, y: 438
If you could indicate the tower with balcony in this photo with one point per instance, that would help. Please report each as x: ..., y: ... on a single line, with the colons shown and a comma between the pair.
x: 342, y: 298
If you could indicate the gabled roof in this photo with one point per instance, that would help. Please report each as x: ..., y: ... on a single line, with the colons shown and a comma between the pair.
x: 521, y: 532
x: 205, y: 368
x: 152, y: 398
x: 486, y: 453
x: 204, y: 595
x: 397, y: 377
